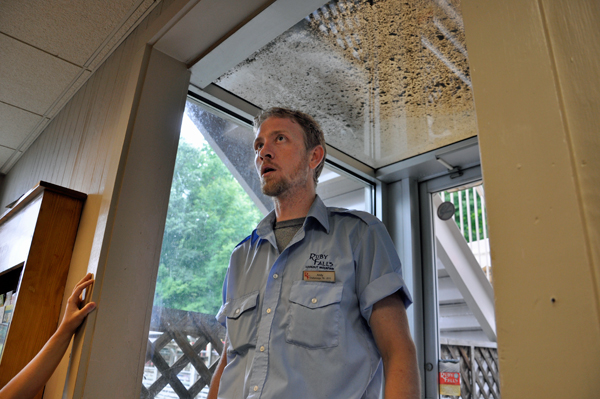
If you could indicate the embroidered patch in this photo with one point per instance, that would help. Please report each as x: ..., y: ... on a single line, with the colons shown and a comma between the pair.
x: 319, y: 262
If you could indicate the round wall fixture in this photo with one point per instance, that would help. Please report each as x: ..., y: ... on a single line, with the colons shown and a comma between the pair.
x: 446, y: 210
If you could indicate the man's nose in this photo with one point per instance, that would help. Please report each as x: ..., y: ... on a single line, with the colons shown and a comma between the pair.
x: 265, y: 152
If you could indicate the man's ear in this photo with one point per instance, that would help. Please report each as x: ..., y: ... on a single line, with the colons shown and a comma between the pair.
x: 316, y: 156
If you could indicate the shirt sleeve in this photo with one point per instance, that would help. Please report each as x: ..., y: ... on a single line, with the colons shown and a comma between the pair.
x: 378, y: 269
x: 221, y: 315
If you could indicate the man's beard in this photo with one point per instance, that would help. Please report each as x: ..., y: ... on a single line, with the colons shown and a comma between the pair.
x: 283, y: 184
x: 276, y: 188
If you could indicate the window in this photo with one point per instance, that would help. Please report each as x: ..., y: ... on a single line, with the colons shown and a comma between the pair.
x: 215, y: 202
x: 209, y: 213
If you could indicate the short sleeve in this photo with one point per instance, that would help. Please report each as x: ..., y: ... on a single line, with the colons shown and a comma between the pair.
x: 221, y: 314
x: 378, y: 269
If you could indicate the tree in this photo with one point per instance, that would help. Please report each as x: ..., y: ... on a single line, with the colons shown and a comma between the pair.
x: 209, y: 213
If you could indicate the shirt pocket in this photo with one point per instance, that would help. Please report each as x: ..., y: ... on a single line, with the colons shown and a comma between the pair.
x: 241, y: 322
x: 314, y: 315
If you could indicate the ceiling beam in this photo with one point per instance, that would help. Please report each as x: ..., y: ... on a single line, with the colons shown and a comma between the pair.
x: 258, y: 32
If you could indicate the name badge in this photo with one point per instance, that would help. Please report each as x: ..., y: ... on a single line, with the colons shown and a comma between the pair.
x: 325, y: 277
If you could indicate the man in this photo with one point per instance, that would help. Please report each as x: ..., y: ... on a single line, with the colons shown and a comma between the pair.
x: 313, y: 300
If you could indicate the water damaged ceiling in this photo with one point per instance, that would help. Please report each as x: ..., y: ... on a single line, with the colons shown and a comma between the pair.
x: 387, y: 79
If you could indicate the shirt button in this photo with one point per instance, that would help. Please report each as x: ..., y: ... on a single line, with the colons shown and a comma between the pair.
x: 255, y: 388
x: 314, y: 300
x: 237, y: 311
x: 269, y: 310
x: 262, y: 348
x: 275, y: 275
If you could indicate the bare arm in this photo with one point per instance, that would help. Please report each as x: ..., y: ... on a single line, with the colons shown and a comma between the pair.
x: 34, y: 376
x: 392, y: 336
x: 213, y: 392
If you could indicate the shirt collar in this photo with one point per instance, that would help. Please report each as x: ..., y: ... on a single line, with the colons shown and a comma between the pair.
x: 317, y: 211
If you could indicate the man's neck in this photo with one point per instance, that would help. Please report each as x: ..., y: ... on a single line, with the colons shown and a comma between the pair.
x: 292, y: 206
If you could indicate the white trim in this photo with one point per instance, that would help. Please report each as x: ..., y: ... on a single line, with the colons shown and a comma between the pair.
x: 258, y: 32
x: 227, y: 100
x: 115, y: 341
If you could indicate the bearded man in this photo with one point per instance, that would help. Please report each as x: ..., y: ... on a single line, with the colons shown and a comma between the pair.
x: 313, y: 301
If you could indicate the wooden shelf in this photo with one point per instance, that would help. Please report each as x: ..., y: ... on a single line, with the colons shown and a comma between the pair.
x: 37, y: 236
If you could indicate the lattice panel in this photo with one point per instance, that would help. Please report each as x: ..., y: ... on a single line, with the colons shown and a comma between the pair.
x: 486, y: 376
x: 177, y: 326
x: 478, y: 371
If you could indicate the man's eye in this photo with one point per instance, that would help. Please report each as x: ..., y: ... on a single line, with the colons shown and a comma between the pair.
x: 280, y: 138
x: 257, y: 147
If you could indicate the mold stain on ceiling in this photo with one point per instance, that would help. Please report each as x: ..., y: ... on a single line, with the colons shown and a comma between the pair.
x: 386, y: 79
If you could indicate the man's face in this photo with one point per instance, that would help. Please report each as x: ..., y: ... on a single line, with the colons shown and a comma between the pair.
x: 282, y: 161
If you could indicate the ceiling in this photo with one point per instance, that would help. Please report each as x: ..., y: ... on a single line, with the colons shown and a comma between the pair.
x: 48, y: 50
x: 387, y: 80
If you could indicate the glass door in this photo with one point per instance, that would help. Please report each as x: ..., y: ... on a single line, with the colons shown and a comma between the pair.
x: 461, y: 354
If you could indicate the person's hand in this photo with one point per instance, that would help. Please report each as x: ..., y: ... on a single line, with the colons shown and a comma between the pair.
x: 32, y: 378
x: 74, y: 315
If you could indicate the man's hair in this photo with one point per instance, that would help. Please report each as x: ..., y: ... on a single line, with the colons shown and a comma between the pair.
x: 313, y: 134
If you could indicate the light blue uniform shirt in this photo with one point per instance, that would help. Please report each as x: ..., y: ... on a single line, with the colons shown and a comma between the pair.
x: 290, y: 338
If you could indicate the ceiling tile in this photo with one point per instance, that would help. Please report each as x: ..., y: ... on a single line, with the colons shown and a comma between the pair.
x: 42, y: 24
x: 39, y: 129
x: 32, y: 79
x: 16, y: 125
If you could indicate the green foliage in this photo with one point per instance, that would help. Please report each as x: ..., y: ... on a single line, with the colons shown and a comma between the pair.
x: 468, y: 212
x: 209, y: 213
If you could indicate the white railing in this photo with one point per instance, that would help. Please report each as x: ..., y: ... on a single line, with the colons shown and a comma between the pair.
x: 470, y: 218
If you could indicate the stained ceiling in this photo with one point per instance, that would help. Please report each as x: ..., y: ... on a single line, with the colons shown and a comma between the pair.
x: 387, y: 80
x: 48, y: 50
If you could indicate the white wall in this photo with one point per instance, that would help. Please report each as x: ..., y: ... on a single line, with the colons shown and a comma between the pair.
x: 536, y: 79
x: 116, y: 338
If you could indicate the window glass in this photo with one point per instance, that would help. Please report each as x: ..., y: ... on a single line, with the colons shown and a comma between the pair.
x: 470, y: 218
x: 340, y: 190
x: 465, y: 297
x: 209, y: 214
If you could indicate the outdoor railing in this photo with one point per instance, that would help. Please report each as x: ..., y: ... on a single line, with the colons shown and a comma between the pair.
x: 471, y: 219
x: 478, y: 368
x: 182, y: 354
x: 184, y: 349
